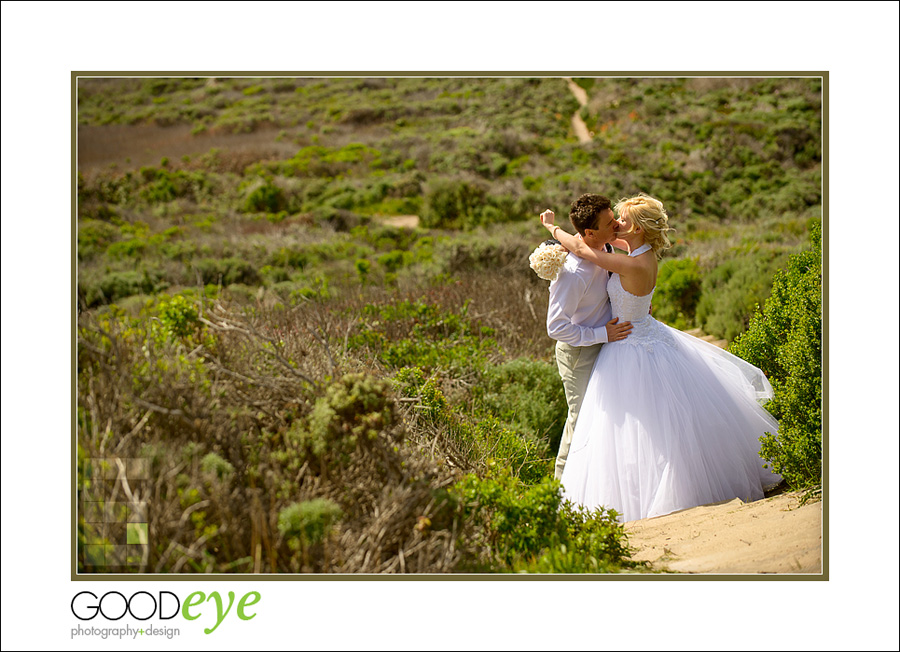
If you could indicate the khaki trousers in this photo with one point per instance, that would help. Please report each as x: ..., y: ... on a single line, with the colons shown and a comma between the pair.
x: 574, y: 364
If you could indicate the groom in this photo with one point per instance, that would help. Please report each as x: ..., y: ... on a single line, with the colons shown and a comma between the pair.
x: 578, y: 316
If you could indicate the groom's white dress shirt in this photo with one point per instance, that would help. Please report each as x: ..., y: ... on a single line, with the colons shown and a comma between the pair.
x: 579, y: 304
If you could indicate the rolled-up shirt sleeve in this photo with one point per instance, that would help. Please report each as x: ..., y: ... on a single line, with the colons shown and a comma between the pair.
x: 565, y: 294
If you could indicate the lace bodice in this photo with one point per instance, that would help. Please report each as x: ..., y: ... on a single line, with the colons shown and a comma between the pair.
x: 646, y: 331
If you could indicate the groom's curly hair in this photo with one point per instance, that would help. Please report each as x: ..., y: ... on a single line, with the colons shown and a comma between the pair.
x: 584, y: 211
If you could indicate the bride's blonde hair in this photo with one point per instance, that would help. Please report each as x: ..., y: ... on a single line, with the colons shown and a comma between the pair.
x: 649, y: 214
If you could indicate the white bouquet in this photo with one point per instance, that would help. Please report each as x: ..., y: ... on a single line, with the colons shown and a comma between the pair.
x: 547, y: 260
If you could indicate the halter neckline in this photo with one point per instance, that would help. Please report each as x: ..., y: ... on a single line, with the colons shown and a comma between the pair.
x: 640, y: 250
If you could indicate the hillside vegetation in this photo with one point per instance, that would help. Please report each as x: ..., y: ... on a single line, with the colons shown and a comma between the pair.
x: 319, y: 391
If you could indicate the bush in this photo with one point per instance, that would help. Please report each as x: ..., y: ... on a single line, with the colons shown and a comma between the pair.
x: 226, y: 271
x: 732, y: 291
x: 357, y: 413
x: 94, y: 236
x: 309, y: 521
x: 677, y: 293
x: 216, y: 466
x: 527, y: 395
x: 453, y: 204
x: 267, y: 198
x: 785, y: 341
x: 530, y: 529
x: 118, y: 285
x: 474, y: 441
x: 179, y: 317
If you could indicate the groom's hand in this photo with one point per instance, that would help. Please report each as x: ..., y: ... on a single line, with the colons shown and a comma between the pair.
x: 616, y: 331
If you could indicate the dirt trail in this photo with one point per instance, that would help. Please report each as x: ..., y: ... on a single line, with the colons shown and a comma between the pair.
x: 712, y: 339
x: 581, y: 130
x: 773, y: 535
x: 401, y: 221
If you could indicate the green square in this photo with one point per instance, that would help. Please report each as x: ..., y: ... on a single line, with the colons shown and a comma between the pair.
x: 137, y: 533
x: 95, y: 555
x: 94, y: 533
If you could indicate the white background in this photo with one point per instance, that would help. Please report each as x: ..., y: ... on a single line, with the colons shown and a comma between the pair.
x: 856, y: 42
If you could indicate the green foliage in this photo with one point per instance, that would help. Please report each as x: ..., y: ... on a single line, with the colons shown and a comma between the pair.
x: 528, y: 528
x: 355, y: 411
x: 678, y: 288
x: 395, y: 260
x: 179, y: 317
x: 363, y: 267
x: 114, y: 286
x: 422, y: 334
x: 485, y: 441
x: 226, y: 271
x: 94, y: 236
x: 594, y: 542
x: 411, y: 382
x: 785, y: 341
x: 527, y: 395
x: 216, y: 466
x: 161, y: 185
x: 267, y: 198
x: 309, y: 521
x: 455, y: 204
x: 732, y: 291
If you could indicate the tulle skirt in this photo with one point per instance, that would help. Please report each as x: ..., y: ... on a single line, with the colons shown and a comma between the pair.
x: 668, y: 422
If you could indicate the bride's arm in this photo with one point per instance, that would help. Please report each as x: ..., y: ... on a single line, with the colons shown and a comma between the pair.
x: 619, y: 244
x: 619, y: 263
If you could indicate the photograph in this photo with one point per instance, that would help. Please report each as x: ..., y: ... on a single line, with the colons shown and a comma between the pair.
x: 449, y: 325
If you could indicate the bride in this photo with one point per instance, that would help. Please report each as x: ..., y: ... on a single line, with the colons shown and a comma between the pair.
x: 668, y: 421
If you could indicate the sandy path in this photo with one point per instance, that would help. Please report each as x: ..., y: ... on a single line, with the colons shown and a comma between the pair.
x: 712, y: 339
x: 581, y: 130
x: 773, y: 535
x: 401, y: 221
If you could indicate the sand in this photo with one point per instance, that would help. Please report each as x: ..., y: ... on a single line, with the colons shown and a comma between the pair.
x: 772, y: 535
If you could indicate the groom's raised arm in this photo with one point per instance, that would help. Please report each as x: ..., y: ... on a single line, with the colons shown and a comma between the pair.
x: 565, y: 295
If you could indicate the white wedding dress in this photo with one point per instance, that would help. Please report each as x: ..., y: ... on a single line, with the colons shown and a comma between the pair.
x: 668, y: 422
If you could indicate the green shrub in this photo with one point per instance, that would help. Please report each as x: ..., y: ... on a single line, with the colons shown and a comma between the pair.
x: 131, y: 248
x: 785, y: 341
x: 116, y: 285
x: 267, y: 198
x: 216, y: 466
x: 453, y: 204
x: 353, y: 414
x: 527, y: 395
x: 94, y: 236
x: 179, y: 317
x: 732, y: 291
x: 363, y: 267
x: 482, y: 439
x: 678, y: 288
x: 531, y: 529
x: 226, y: 271
x: 309, y: 521
x: 395, y: 260
x: 416, y: 333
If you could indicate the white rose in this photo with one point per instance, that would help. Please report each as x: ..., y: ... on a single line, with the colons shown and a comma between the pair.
x: 547, y: 260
